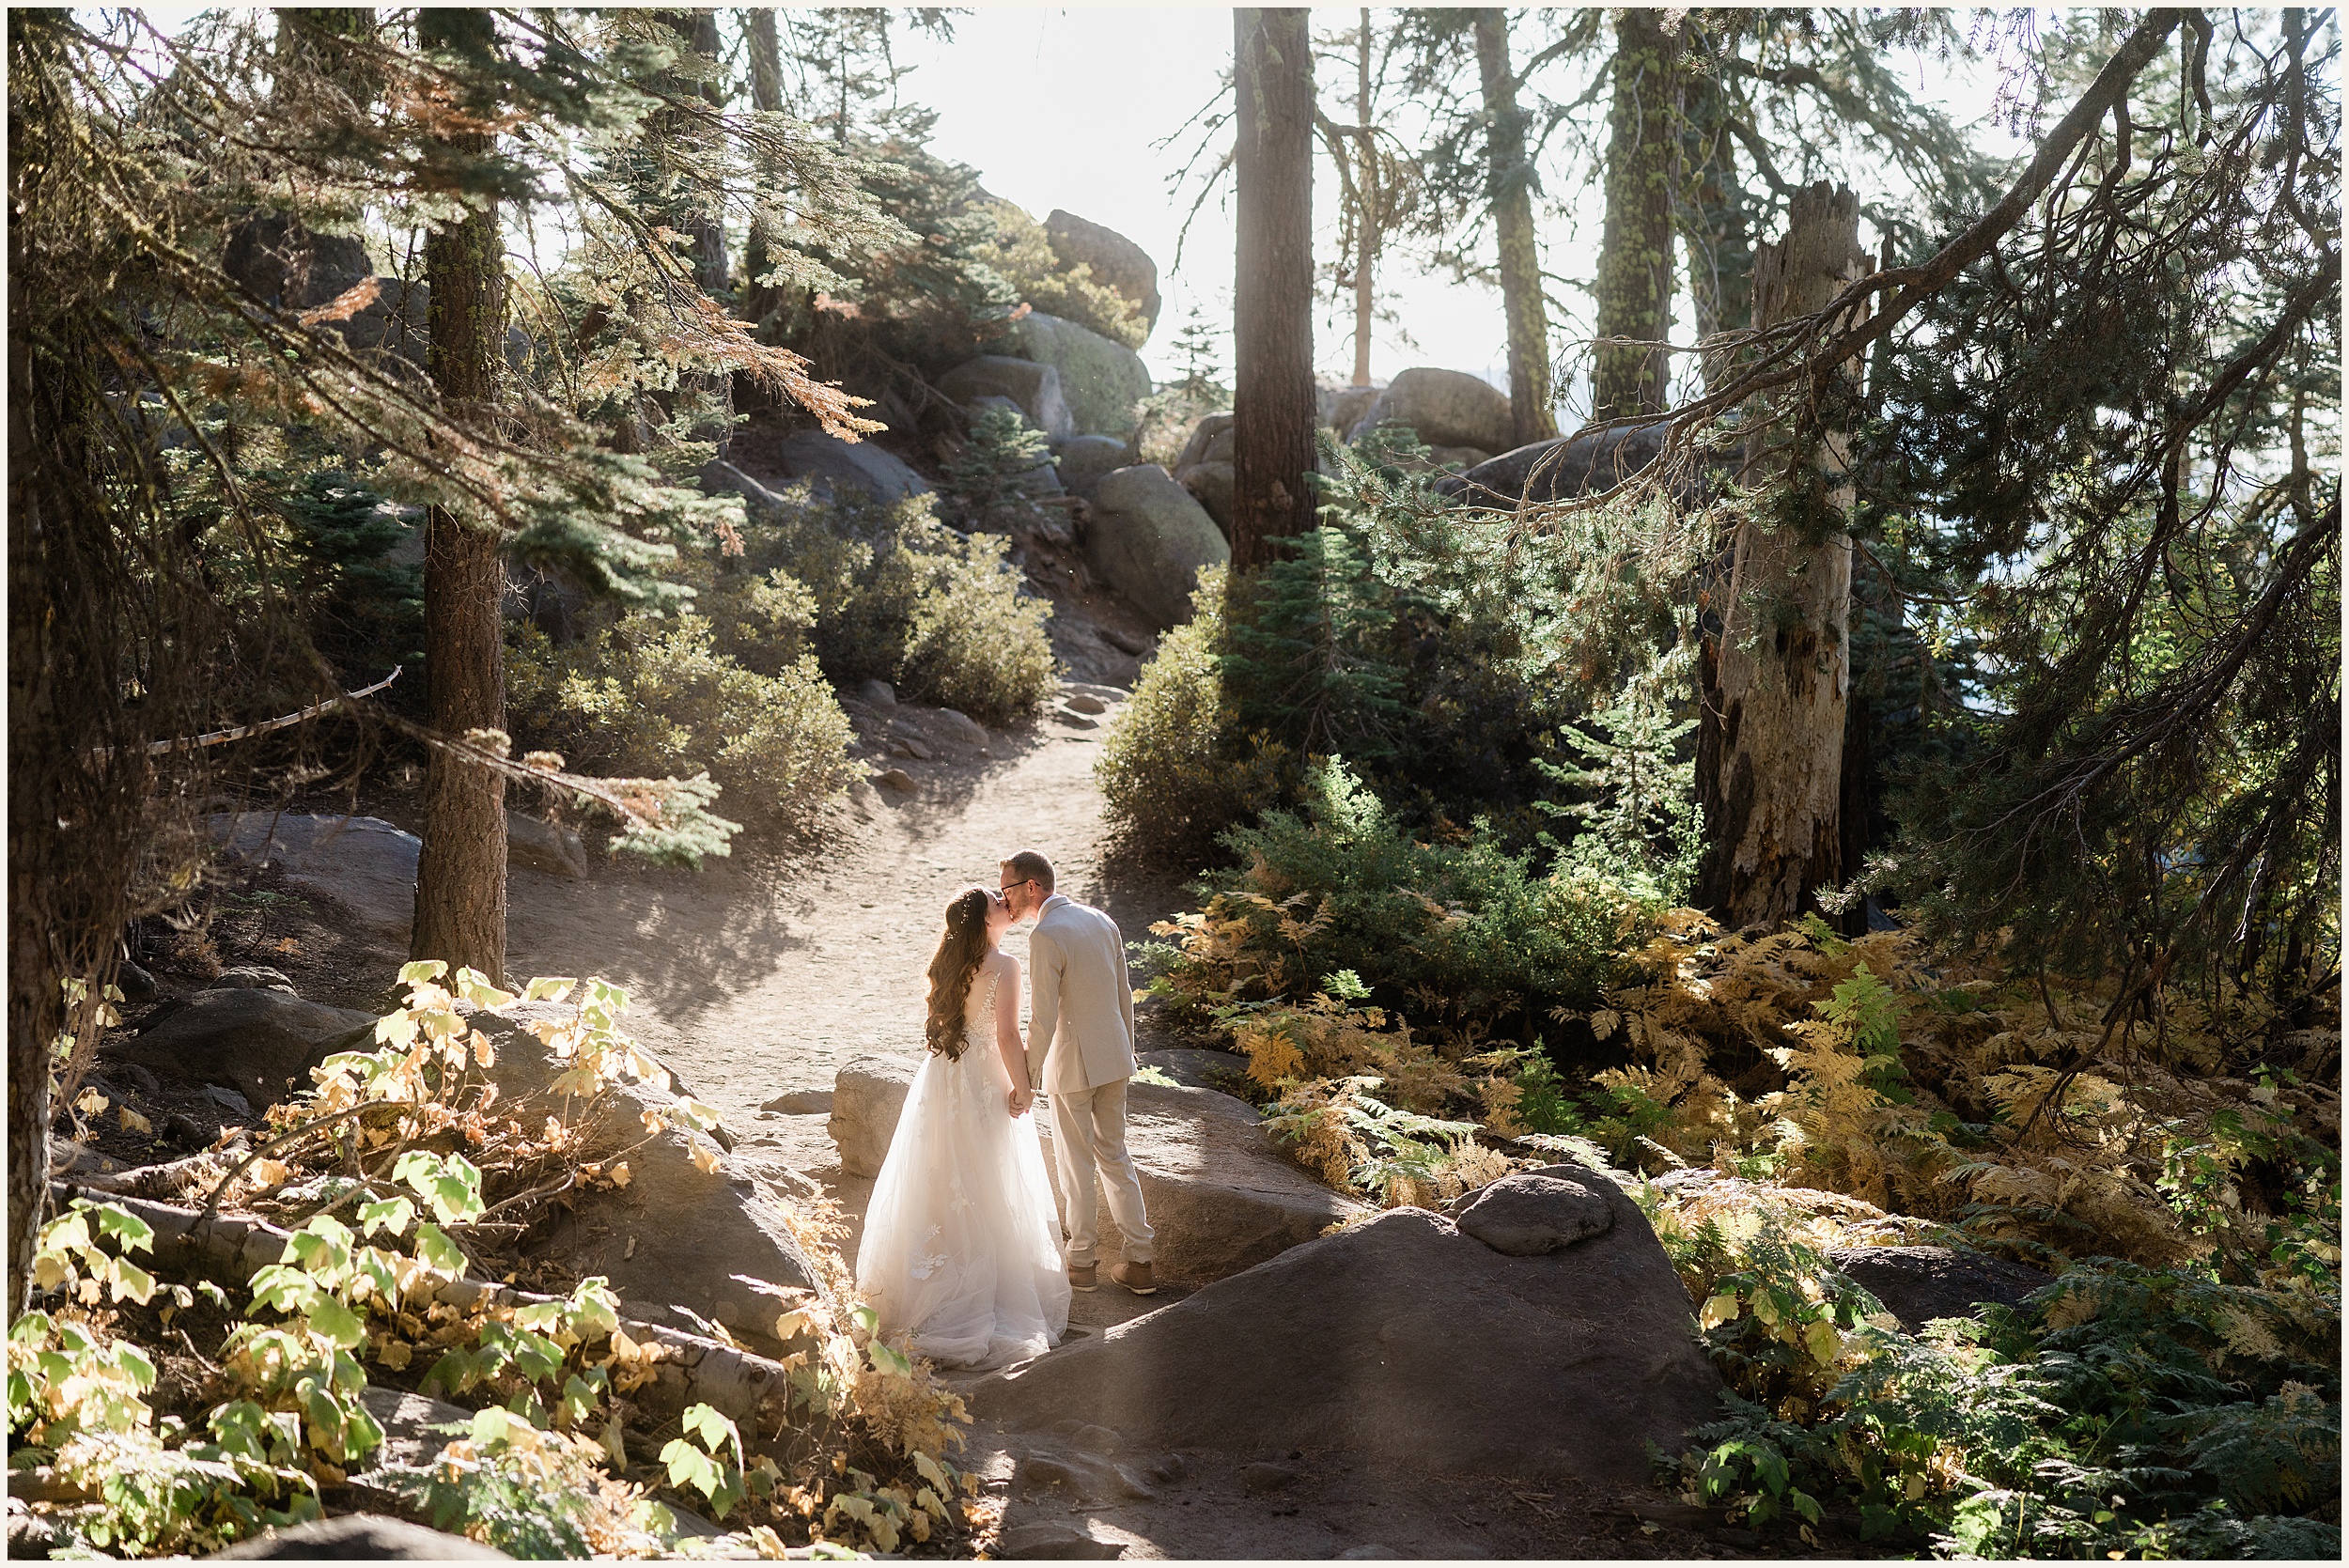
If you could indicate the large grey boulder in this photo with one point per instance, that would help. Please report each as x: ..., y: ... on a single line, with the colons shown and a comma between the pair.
x: 1212, y: 486
x: 1032, y: 386
x: 1212, y: 439
x: 361, y: 864
x: 1149, y: 538
x: 1342, y: 408
x: 284, y: 265
x: 1917, y: 1284
x: 675, y: 1235
x: 1557, y: 469
x: 1115, y: 259
x: 1101, y: 381
x: 258, y: 1041
x: 834, y: 465
x: 1084, y: 460
x: 542, y: 846
x: 1408, y: 1342
x: 356, y: 1537
x: 1447, y: 407
x: 1219, y: 1195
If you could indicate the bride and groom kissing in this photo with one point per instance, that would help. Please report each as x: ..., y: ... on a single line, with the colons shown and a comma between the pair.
x: 962, y: 1245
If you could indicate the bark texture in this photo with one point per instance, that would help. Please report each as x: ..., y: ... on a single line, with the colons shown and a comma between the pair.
x: 1509, y: 187
x: 1634, y: 287
x: 1776, y: 674
x: 1272, y: 402
x: 1719, y: 246
x: 461, y: 878
x: 1366, y: 193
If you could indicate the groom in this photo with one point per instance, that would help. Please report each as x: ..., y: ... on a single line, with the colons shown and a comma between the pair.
x: 1082, y: 1025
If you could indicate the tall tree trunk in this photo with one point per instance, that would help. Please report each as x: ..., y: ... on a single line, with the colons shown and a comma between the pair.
x: 1272, y: 400
x: 1634, y: 285
x: 766, y: 52
x: 699, y: 212
x: 1509, y: 187
x: 1367, y: 193
x: 1775, y: 677
x: 460, y: 880
x: 1719, y: 248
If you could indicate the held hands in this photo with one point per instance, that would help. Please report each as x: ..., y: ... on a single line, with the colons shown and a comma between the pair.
x: 1021, y: 1099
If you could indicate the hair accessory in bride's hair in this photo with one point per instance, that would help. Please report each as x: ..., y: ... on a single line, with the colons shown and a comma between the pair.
x: 960, y: 952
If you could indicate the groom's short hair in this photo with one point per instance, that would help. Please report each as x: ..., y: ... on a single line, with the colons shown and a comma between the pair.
x: 1029, y: 866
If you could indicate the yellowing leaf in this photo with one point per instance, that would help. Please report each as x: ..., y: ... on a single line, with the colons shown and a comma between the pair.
x: 1718, y: 1310
x: 706, y: 1157
x: 269, y: 1172
x: 1824, y: 1343
x: 134, y: 1121
x: 483, y: 1054
x: 91, y: 1102
x: 394, y: 1355
x: 620, y: 1176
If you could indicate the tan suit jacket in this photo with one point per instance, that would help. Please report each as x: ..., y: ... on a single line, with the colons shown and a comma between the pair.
x: 1082, y: 1018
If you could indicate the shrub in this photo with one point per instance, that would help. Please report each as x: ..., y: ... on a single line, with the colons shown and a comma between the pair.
x: 1461, y: 936
x: 653, y: 695
x: 1176, y: 772
x: 1021, y: 254
x: 985, y: 478
x: 895, y: 594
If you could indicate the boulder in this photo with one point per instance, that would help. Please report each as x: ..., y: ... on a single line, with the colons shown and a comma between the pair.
x: 832, y: 465
x: 1410, y: 1342
x: 251, y: 977
x: 1084, y: 459
x: 1917, y: 1284
x: 1033, y: 387
x: 878, y: 692
x: 1148, y: 539
x: 1197, y: 1069
x: 1447, y: 407
x: 286, y: 264
x: 362, y: 864
x: 1211, y: 441
x: 719, y: 478
x: 543, y: 846
x: 357, y: 1537
x: 675, y: 1235
x: 1101, y: 379
x: 1211, y: 485
x: 1219, y: 1196
x: 1115, y: 259
x: 410, y: 1423
x: 956, y: 726
x: 1559, y: 468
x: 260, y: 1042
x: 1342, y: 408
x: 1528, y: 1216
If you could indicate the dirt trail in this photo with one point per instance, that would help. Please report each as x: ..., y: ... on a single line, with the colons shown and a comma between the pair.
x: 755, y: 978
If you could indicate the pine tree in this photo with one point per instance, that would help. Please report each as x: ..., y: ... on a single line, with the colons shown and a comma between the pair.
x: 1273, y: 399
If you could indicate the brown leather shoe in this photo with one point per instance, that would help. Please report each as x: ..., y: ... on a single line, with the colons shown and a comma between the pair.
x: 1135, y: 1277
x: 1081, y: 1278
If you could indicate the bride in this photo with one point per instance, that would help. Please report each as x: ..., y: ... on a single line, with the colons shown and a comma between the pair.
x: 962, y: 1239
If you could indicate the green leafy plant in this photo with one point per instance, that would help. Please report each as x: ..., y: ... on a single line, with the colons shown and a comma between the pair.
x: 986, y: 479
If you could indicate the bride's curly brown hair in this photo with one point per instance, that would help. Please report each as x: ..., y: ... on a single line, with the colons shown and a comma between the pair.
x: 960, y: 952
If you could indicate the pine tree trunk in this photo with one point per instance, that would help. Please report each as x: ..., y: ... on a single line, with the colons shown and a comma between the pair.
x: 461, y: 879
x: 1719, y: 248
x: 766, y: 53
x: 699, y: 215
x: 1272, y: 402
x: 1776, y: 675
x: 1634, y: 287
x: 1366, y: 186
x: 1509, y: 186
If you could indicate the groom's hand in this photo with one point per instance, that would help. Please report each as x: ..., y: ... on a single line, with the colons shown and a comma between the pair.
x: 1021, y: 1099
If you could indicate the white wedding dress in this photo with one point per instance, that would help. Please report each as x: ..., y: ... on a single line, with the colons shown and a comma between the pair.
x: 962, y: 1240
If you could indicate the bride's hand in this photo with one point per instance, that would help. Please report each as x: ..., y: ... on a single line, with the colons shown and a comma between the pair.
x: 1021, y: 1099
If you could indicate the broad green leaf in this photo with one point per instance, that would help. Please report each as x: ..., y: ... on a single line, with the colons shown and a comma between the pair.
x: 548, y: 988
x: 435, y: 1251
x: 889, y: 1361
x: 131, y: 1280
x: 338, y: 1324
x: 1718, y: 1310
x: 134, y: 1234
x: 420, y: 970
x: 385, y: 1213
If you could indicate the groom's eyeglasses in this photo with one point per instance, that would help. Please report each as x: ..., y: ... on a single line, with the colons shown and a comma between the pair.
x: 1022, y: 883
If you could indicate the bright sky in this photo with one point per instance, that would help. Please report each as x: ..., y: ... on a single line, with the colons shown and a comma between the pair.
x: 1062, y: 106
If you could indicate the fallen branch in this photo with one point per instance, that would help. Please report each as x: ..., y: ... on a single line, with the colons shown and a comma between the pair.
x: 242, y: 732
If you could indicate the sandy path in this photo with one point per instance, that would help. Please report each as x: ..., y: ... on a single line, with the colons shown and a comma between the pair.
x: 751, y: 978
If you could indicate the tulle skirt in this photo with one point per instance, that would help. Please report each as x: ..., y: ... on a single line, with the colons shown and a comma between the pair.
x: 962, y: 1239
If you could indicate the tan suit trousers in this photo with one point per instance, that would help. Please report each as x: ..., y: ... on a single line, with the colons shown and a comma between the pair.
x: 1089, y: 1136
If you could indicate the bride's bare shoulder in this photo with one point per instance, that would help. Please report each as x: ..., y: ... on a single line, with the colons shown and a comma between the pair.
x: 1003, y: 964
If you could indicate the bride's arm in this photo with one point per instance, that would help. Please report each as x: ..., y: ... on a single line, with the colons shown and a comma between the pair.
x: 1007, y: 1042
